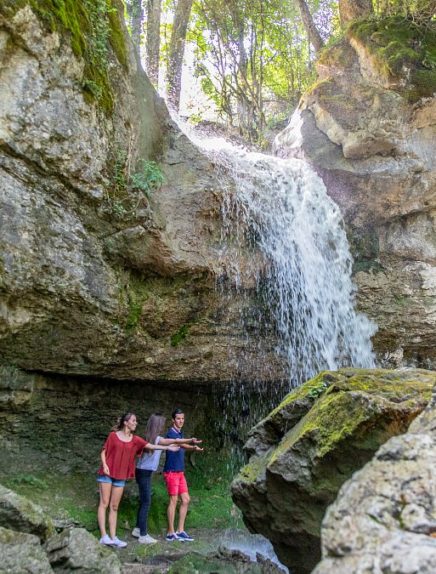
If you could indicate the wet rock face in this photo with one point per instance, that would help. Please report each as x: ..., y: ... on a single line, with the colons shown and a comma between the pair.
x: 311, y: 443
x: 96, y: 278
x: 383, y: 518
x: 375, y: 152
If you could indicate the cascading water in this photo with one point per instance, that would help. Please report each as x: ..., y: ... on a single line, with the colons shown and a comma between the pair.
x: 287, y: 264
x: 300, y: 265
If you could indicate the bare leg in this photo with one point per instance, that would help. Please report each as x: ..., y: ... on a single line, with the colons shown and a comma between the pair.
x: 171, y: 513
x: 116, y: 495
x: 105, y: 495
x: 185, y: 499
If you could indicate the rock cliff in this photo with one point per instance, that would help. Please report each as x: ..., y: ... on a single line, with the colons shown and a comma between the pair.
x: 109, y: 215
x: 368, y: 127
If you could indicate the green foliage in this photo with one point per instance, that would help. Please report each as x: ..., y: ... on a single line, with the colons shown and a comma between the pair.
x: 252, y: 58
x: 317, y: 390
x: 147, y: 178
x: 91, y: 25
x: 417, y: 10
x: 129, y: 191
x: 29, y: 480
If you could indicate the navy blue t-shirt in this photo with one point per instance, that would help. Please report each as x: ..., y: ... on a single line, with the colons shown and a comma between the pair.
x: 174, y: 461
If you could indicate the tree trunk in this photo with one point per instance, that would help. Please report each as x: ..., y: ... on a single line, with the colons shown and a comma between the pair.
x: 177, y: 50
x: 309, y: 25
x: 350, y: 10
x: 153, y: 40
x: 136, y: 16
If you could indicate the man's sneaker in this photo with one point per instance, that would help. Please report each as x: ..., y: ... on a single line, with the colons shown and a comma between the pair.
x: 184, y: 536
x: 136, y: 533
x: 118, y: 543
x: 107, y: 540
x: 147, y: 539
x: 171, y: 537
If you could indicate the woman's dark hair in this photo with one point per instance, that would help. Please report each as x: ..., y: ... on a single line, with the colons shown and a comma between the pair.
x: 122, y: 420
x: 155, y: 427
x: 176, y: 412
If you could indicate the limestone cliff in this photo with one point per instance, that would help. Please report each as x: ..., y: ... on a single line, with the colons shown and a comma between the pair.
x: 368, y: 126
x: 109, y: 215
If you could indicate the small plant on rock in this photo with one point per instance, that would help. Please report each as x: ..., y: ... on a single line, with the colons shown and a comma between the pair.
x: 148, y: 178
x: 128, y: 192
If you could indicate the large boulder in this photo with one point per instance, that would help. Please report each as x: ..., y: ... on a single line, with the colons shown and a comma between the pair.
x: 312, y: 442
x: 22, y: 553
x: 384, y: 518
x: 76, y: 550
x: 19, y: 513
x: 368, y: 127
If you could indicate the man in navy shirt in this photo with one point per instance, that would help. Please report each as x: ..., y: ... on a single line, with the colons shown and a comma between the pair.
x: 174, y: 474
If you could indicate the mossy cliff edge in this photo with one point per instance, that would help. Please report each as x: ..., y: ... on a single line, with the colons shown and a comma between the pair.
x: 304, y: 450
x: 368, y: 127
x: 110, y: 216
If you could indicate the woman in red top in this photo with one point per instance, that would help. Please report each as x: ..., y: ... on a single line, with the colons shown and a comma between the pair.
x: 118, y: 465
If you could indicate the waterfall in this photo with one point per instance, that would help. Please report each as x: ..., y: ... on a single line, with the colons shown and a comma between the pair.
x: 285, y: 238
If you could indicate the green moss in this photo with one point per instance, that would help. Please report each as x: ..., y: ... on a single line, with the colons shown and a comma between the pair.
x: 336, y: 53
x: 179, y: 336
x: 331, y: 420
x: 116, y: 35
x: 91, y: 26
x: 137, y: 293
x: 345, y: 404
x: 399, y: 45
x: 308, y: 390
x: 254, y: 469
x: 329, y: 408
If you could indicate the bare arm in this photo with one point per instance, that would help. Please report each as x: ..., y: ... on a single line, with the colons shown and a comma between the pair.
x: 180, y: 441
x: 171, y: 446
x: 193, y: 447
x: 104, y: 463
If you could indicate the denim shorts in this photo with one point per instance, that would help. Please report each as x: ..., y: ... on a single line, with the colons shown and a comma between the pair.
x: 113, y: 481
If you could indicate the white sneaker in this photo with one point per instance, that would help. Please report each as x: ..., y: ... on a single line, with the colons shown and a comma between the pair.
x: 107, y: 540
x: 147, y: 539
x: 118, y: 543
x: 136, y: 533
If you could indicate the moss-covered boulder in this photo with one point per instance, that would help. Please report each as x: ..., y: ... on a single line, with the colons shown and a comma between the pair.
x: 312, y: 442
x: 22, y: 553
x: 384, y: 518
x: 19, y: 513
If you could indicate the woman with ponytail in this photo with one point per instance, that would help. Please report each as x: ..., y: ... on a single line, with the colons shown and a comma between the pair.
x: 118, y: 465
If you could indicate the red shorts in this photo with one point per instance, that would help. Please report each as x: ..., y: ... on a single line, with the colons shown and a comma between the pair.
x: 176, y: 483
